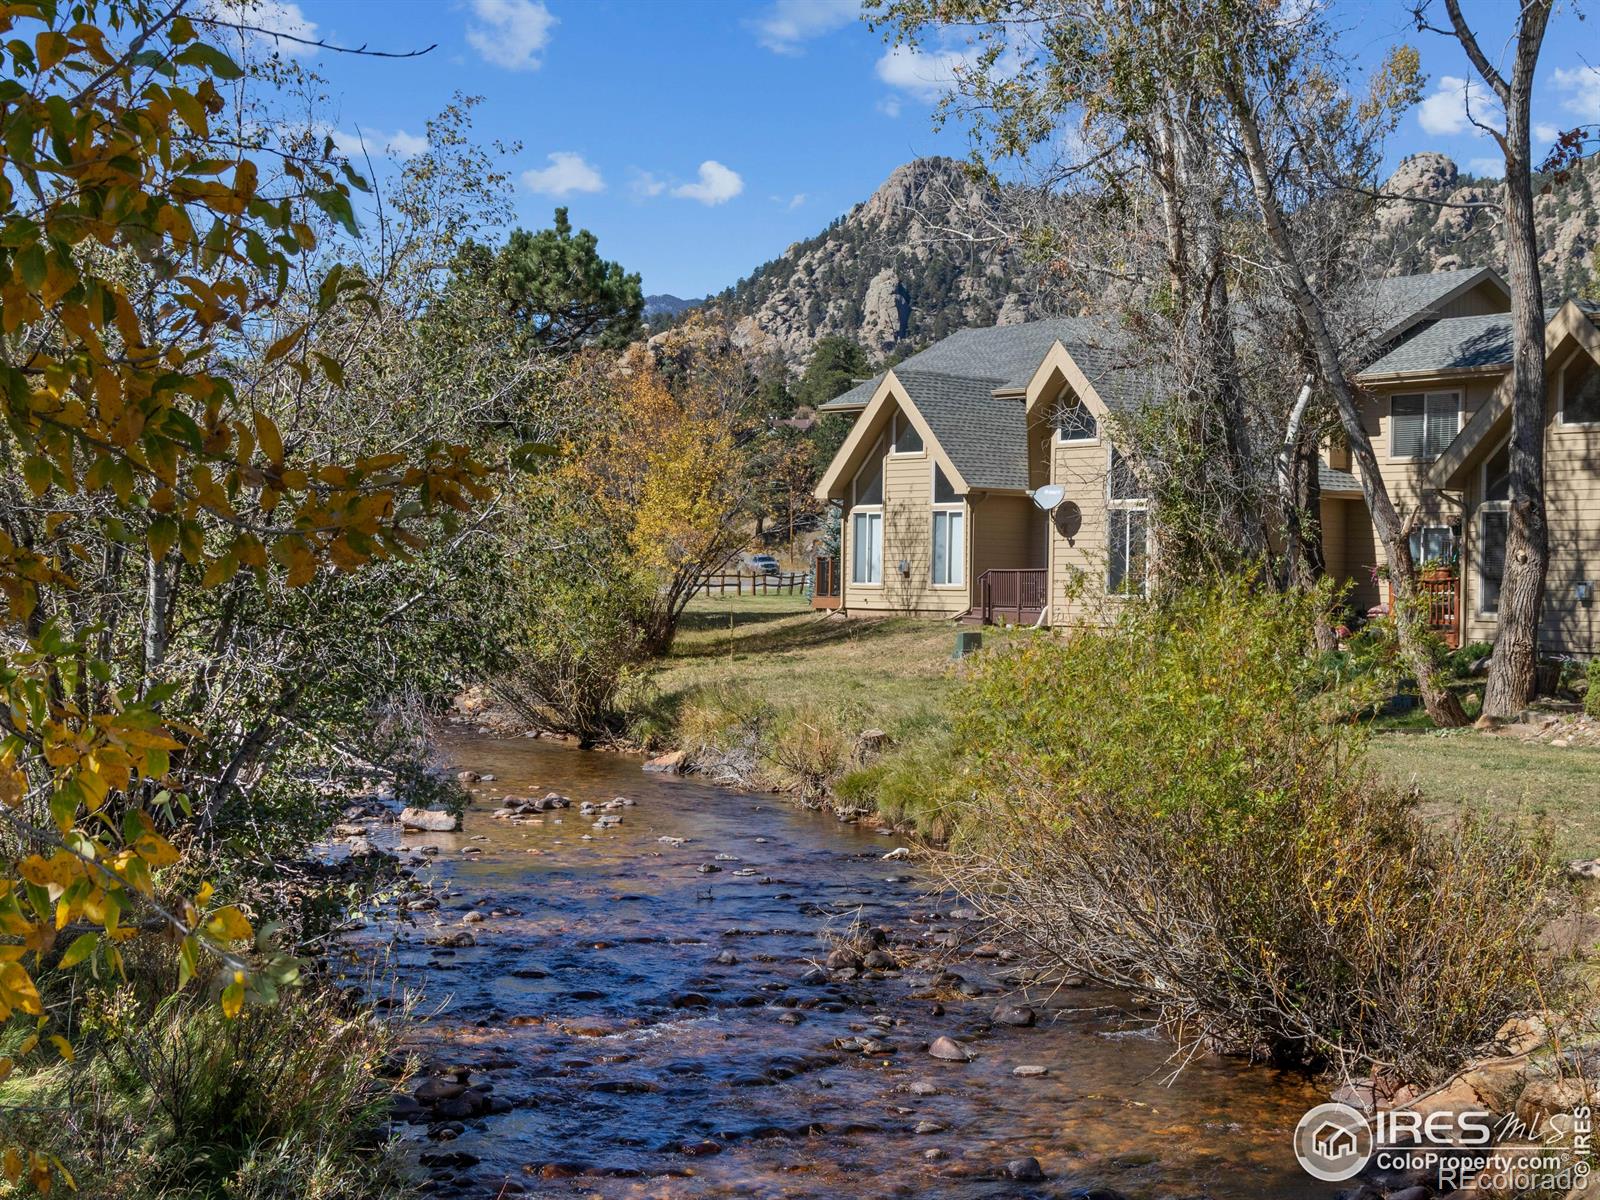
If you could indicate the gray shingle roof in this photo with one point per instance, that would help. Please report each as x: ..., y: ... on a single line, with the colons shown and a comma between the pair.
x: 984, y: 435
x: 1454, y: 344
x: 1333, y: 480
x: 1396, y: 302
x: 855, y: 399
x: 1008, y: 355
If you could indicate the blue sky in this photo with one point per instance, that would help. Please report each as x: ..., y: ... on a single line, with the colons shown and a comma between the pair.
x: 699, y: 138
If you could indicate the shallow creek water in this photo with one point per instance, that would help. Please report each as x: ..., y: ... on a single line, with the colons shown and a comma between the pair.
x: 573, y: 1011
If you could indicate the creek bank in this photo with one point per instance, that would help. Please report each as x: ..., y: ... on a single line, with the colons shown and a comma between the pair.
x: 597, y: 1009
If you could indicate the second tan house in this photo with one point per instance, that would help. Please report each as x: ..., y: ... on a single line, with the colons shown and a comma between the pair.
x: 981, y: 480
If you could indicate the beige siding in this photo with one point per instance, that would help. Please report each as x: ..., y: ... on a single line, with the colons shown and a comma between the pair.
x: 1001, y: 529
x: 1403, y: 476
x: 1480, y: 301
x: 1078, y: 533
x: 1572, y: 498
x: 908, y: 538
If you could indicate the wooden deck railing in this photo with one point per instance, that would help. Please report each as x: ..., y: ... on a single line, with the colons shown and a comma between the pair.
x: 754, y: 583
x: 827, y: 591
x: 1442, y: 591
x: 1019, y: 594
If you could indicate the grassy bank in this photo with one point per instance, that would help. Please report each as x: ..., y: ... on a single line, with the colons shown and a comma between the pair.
x: 802, y: 673
x: 1532, y: 783
x: 764, y: 692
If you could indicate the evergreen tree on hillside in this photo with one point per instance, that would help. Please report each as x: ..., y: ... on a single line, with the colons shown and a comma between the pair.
x: 836, y: 364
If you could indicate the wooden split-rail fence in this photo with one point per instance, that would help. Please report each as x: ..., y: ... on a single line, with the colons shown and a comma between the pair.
x: 754, y: 583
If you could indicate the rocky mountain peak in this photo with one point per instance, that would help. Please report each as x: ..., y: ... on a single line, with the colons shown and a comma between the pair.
x: 891, y: 274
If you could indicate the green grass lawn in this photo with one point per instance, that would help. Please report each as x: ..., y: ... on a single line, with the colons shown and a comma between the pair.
x: 1529, y: 782
x: 894, y: 672
x: 892, y: 669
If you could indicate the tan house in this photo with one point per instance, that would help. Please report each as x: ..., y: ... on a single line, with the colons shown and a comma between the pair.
x: 979, y: 482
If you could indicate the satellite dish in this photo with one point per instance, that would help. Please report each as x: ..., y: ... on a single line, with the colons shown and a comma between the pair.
x: 1049, y: 496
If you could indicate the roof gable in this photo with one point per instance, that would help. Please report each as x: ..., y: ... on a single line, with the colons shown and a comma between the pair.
x: 1571, y: 320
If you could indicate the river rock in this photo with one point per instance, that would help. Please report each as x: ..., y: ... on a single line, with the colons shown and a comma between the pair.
x: 432, y: 820
x: 610, y: 821
x: 923, y: 1088
x: 433, y: 1091
x: 930, y: 1127
x: 949, y: 1050
x: 878, y: 960
x: 1029, y: 1071
x: 467, y: 777
x: 1024, y: 1169
x: 844, y: 959
x: 666, y: 764
x: 1019, y: 1015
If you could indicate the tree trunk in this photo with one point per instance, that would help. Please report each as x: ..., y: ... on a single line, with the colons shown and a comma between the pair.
x: 1442, y: 705
x: 1513, y: 666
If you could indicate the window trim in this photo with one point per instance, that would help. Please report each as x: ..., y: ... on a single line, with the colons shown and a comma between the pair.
x: 1122, y: 510
x: 894, y: 437
x: 866, y: 510
x: 1561, y: 393
x: 883, y: 477
x: 958, y: 505
x: 1485, y: 507
x: 1125, y: 505
x: 1420, y: 532
x: 1425, y: 393
x: 1055, y: 429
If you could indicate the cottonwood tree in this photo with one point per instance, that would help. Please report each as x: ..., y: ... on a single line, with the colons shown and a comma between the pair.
x: 1515, y: 659
x: 1163, y: 103
x: 1102, y: 103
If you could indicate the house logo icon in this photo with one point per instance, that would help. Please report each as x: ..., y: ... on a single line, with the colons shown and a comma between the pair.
x: 1333, y: 1142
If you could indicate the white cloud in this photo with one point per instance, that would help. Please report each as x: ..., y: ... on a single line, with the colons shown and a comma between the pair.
x: 927, y: 75
x: 1582, y: 88
x: 568, y: 172
x: 889, y: 106
x: 797, y: 200
x: 789, y: 24
x: 717, y: 184
x: 1487, y: 168
x: 262, y: 19
x: 511, y: 33
x: 645, y: 184
x: 1446, y: 110
x: 357, y: 146
x: 1546, y: 133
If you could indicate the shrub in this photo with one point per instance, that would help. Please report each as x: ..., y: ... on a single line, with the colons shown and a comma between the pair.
x: 811, y: 746
x: 1161, y: 805
x: 1591, y: 697
x: 173, y: 1100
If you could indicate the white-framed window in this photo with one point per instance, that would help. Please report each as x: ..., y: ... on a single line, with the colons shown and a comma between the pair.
x: 866, y: 547
x: 1433, y: 543
x: 1422, y: 424
x: 1578, y: 385
x: 867, y: 486
x: 1127, y: 529
x: 1074, y: 422
x: 1494, y: 523
x: 906, y: 439
x: 866, y: 520
x: 949, y: 533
